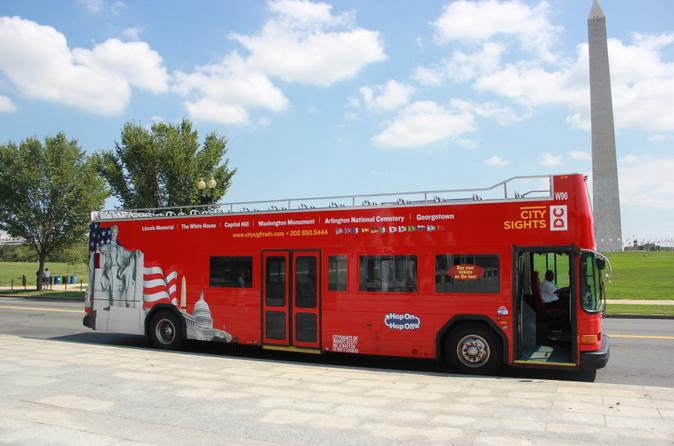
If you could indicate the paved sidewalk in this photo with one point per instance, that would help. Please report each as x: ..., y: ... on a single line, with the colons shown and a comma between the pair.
x: 639, y: 302
x: 56, y: 392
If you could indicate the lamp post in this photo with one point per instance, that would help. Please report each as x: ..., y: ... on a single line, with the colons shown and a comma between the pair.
x: 206, y: 190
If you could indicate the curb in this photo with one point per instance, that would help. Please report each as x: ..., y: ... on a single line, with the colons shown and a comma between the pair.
x: 46, y: 298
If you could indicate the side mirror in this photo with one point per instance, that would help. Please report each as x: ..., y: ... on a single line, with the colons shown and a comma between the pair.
x: 601, y: 263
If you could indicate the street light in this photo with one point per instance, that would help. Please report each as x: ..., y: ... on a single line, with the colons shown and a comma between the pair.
x: 206, y: 195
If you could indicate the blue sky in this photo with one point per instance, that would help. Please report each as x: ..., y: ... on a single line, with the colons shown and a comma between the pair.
x: 355, y: 97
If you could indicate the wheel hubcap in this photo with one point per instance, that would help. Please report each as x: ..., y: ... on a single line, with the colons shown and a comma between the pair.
x: 473, y: 351
x: 165, y: 331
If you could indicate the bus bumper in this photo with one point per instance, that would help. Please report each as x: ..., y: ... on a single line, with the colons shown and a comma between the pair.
x: 89, y: 319
x: 597, y: 359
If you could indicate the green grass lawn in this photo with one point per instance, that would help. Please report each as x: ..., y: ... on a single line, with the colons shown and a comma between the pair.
x: 641, y: 275
x: 14, y: 270
x: 661, y: 310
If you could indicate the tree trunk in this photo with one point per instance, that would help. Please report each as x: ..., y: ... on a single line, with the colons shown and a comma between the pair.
x: 40, y: 270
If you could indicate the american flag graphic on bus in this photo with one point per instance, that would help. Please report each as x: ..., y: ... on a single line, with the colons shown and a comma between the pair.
x: 159, y: 285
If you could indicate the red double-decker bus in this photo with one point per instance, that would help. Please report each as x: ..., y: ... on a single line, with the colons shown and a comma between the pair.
x: 476, y: 278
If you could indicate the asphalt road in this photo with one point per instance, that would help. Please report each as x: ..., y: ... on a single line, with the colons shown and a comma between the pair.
x: 642, y: 350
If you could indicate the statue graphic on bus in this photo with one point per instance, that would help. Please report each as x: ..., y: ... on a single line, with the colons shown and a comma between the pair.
x: 123, y: 288
x: 119, y: 271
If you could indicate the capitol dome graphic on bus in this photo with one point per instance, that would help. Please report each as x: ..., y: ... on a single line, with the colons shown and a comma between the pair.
x: 199, y: 324
x: 202, y: 313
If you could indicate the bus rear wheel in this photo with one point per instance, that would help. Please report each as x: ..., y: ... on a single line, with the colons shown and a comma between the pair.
x: 473, y: 348
x: 165, y: 331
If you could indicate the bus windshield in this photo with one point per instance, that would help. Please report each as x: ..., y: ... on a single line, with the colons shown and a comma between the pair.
x: 593, y: 291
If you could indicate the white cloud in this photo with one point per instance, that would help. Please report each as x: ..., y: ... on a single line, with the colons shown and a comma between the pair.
x: 135, y: 62
x: 497, y: 161
x: 6, y: 105
x: 466, y: 143
x: 304, y: 14
x: 462, y: 66
x: 642, y: 84
x: 531, y: 85
x: 479, y: 21
x: 206, y: 109
x: 550, y: 160
x: 38, y: 61
x: 578, y: 155
x: 353, y: 102
x: 423, y: 123
x: 432, y: 76
x: 132, y: 33
x: 93, y: 6
x: 660, y: 138
x: 296, y: 45
x: 117, y: 7
x: 647, y: 183
x: 630, y: 159
x: 100, y: 6
x: 224, y: 91
x: 503, y: 115
x: 391, y: 96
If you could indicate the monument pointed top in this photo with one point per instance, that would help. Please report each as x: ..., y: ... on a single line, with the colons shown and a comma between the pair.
x: 596, y: 12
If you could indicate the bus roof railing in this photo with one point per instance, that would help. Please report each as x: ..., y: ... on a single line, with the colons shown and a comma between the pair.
x: 532, y: 187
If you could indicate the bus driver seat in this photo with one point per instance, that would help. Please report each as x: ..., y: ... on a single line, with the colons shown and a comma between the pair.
x: 553, y: 316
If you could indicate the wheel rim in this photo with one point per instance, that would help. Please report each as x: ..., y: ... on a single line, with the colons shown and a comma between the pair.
x: 165, y: 331
x: 473, y: 351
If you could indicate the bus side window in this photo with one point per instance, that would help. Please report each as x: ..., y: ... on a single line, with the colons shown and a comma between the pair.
x: 393, y: 274
x: 231, y: 272
x: 337, y: 273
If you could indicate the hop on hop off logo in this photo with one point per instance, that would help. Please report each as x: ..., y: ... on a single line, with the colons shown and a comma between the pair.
x: 396, y: 321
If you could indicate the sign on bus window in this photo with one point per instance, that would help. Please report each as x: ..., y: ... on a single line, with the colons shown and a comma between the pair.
x: 467, y: 273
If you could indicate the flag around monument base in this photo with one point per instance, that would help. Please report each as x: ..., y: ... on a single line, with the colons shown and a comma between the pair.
x: 157, y: 286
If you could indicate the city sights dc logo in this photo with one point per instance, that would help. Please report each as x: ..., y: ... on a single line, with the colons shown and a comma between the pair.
x: 396, y: 321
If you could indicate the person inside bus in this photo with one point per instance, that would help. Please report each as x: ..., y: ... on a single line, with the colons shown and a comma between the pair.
x: 551, y: 294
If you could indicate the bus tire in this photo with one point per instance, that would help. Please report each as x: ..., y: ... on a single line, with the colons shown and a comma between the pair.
x: 166, y: 331
x: 473, y: 348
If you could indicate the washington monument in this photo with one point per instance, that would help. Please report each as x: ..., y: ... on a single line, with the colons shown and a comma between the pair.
x: 605, y: 196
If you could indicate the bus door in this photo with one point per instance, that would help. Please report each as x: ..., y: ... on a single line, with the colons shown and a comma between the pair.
x: 544, y: 313
x: 291, y: 300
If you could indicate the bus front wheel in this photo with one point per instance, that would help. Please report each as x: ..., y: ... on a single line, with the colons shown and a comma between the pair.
x: 473, y: 348
x: 165, y: 331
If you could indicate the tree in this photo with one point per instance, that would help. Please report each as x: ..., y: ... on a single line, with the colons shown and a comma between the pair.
x: 47, y: 192
x: 161, y: 166
x: 17, y: 253
x: 72, y: 254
